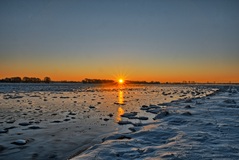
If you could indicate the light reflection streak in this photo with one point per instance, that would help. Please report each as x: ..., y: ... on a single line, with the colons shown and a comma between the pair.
x: 120, y: 110
x: 121, y: 97
x: 119, y: 113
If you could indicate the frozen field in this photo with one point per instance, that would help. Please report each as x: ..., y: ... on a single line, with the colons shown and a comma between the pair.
x: 59, y: 121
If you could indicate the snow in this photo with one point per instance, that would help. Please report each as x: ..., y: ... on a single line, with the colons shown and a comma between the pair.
x: 208, y: 129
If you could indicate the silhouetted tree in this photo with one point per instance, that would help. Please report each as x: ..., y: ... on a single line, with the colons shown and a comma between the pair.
x: 12, y: 79
x: 35, y: 80
x: 47, y: 80
x: 26, y: 79
x: 87, y: 80
x: 16, y: 79
x: 31, y: 80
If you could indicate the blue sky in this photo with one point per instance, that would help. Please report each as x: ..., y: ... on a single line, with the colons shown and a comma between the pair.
x: 168, y: 40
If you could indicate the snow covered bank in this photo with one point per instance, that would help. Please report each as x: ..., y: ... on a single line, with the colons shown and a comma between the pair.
x: 199, y: 128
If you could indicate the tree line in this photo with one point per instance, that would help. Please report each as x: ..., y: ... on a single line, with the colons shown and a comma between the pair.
x: 26, y: 80
x: 142, y: 82
x: 87, y: 80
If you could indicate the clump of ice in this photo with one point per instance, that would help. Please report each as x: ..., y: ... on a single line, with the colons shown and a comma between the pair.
x: 232, y: 90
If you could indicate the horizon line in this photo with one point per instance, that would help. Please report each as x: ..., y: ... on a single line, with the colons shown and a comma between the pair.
x: 93, y: 80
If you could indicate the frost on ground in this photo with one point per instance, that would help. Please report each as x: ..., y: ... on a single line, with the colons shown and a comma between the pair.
x: 198, y: 128
x: 59, y: 121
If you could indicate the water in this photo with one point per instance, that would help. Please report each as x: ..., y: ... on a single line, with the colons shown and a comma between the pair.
x: 31, y: 87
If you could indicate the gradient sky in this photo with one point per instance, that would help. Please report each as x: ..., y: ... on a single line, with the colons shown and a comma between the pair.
x: 163, y: 40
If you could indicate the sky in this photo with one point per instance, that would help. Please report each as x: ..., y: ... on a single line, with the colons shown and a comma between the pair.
x: 152, y: 40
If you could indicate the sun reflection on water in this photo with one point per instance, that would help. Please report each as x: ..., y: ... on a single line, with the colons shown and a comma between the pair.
x: 121, y: 97
x: 119, y: 113
x: 120, y: 110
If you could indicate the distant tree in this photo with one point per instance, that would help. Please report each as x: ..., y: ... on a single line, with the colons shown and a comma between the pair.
x: 184, y: 82
x: 87, y: 80
x: 35, y: 80
x: 31, y: 80
x: 47, y: 80
x: 26, y: 79
x: 12, y: 79
x: 15, y: 79
x: 6, y: 80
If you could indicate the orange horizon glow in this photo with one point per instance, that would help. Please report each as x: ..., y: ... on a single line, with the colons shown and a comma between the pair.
x: 166, y: 78
x: 201, y: 75
x: 162, y: 70
x: 223, y: 74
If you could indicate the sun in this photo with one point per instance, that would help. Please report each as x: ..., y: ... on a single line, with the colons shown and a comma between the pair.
x: 120, y: 81
x: 120, y: 77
